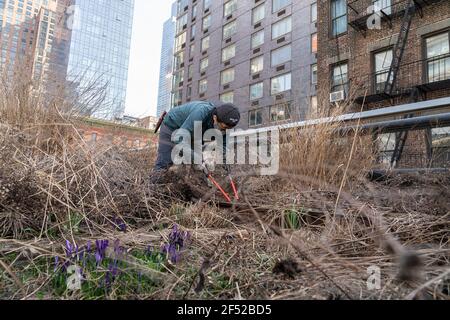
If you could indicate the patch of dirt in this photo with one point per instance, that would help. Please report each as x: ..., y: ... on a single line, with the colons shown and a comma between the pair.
x: 289, y: 268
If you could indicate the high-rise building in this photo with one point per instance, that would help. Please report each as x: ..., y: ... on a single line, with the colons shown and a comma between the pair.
x: 34, y: 40
x: 260, y: 55
x: 99, y: 52
x: 165, y: 73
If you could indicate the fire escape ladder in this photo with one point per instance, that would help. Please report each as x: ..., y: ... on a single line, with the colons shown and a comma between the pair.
x: 402, y: 136
x: 400, y: 48
x: 400, y: 143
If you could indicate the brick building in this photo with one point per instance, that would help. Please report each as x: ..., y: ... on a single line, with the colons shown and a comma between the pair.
x: 359, y: 44
x: 108, y: 132
x: 258, y: 54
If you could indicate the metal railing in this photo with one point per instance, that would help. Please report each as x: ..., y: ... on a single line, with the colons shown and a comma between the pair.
x: 425, y: 73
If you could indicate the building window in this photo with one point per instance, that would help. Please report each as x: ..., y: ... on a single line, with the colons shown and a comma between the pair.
x: 94, y: 136
x: 181, y: 5
x: 438, y: 57
x: 202, y: 86
x: 206, y: 4
x: 280, y: 112
x: 314, y: 43
x: 189, y: 92
x: 339, y: 78
x: 280, y: 84
x: 194, y: 11
x: 204, y: 64
x: 314, y: 74
x: 258, y: 14
x: 229, y: 7
x: 338, y: 17
x: 255, y: 118
x: 314, y: 12
x: 281, y: 55
x: 256, y: 91
x: 257, y: 39
x: 193, y: 29
x: 256, y: 65
x: 227, y: 76
x: 384, y: 5
x: 228, y: 53
x: 280, y: 4
x: 227, y: 97
x: 190, y: 71
x: 440, y: 146
x: 282, y: 27
x: 178, y: 60
x: 206, y: 22
x: 177, y: 98
x: 386, y: 145
x: 182, y: 23
x: 192, y: 50
x: 229, y: 30
x: 180, y: 41
x: 383, y: 62
x: 178, y: 78
x: 205, y: 43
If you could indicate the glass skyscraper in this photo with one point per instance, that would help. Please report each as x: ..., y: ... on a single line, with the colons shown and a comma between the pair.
x: 165, y: 72
x: 100, y: 49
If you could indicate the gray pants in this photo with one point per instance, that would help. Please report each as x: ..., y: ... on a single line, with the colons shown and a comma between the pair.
x: 164, y: 160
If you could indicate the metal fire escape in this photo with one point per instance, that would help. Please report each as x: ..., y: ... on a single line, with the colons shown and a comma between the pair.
x: 399, y: 48
x: 407, y: 10
x: 391, y: 81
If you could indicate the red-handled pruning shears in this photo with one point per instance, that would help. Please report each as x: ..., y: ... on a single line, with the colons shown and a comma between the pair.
x: 218, y: 186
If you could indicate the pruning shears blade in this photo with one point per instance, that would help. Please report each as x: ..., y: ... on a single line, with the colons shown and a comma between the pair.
x: 224, y: 193
x: 233, y: 185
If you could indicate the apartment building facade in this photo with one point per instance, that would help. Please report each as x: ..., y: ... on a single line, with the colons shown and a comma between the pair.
x: 166, y: 64
x: 258, y: 54
x: 381, y: 53
x: 34, y: 40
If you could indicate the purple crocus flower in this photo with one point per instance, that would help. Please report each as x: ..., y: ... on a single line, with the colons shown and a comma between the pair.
x: 100, y: 252
x: 119, y: 223
x: 177, y: 241
x: 88, y: 247
x: 123, y: 226
x: 98, y: 258
x: 69, y: 249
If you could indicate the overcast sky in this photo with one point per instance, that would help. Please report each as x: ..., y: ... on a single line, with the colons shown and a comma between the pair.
x: 143, y: 75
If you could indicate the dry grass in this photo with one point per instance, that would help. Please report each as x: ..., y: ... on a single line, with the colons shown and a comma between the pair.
x: 319, y: 219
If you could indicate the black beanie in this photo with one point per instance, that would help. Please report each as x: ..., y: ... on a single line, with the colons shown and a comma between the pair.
x: 228, y: 113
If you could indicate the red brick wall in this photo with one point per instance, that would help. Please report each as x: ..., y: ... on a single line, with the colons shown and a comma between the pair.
x: 127, y: 137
